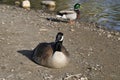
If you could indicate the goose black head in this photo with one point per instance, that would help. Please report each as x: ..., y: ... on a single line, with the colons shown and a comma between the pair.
x: 58, y: 41
x: 59, y: 37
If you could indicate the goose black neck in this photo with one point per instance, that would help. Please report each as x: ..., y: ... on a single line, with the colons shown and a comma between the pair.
x: 58, y: 46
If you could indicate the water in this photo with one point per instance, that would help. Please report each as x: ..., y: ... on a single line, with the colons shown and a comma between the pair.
x: 104, y: 12
x: 110, y: 15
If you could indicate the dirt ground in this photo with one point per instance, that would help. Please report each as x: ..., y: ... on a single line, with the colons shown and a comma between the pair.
x: 94, y: 53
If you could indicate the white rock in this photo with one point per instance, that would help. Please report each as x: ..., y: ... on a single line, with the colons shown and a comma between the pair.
x: 72, y: 30
x: 12, y: 70
x: 84, y: 78
x: 117, y: 33
x: 2, y: 79
x: 119, y: 38
x: 3, y: 22
x: 109, y: 35
x: 43, y: 29
x: 26, y: 4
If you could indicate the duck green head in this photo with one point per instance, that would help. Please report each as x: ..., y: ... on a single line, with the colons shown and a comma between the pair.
x: 77, y: 6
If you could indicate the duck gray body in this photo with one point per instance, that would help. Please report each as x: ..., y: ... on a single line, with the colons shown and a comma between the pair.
x: 71, y: 15
x: 46, y: 55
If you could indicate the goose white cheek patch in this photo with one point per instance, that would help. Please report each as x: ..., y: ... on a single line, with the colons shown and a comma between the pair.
x: 61, y: 38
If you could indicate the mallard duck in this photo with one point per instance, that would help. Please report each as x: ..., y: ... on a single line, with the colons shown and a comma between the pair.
x: 52, y: 54
x: 26, y: 4
x: 49, y: 4
x: 70, y: 15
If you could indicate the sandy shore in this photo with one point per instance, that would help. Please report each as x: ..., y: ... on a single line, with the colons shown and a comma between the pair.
x: 95, y: 53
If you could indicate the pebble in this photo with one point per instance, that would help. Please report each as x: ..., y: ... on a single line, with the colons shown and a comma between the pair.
x: 3, y: 22
x: 89, y: 54
x: 11, y: 22
x: 109, y: 35
x: 117, y: 33
x: 8, y: 7
x: 72, y: 30
x: 8, y: 43
x: 29, y: 72
x: 2, y: 79
x: 12, y: 70
x: 2, y: 38
x: 43, y: 29
x: 90, y: 48
x: 48, y: 77
x: 100, y: 34
x: 76, y: 76
x: 3, y: 10
x: 84, y: 78
x: 119, y: 38
x: 69, y: 40
x: 101, y: 30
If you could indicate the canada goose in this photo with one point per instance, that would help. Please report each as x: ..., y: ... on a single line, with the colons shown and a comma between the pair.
x: 26, y: 4
x: 70, y: 15
x: 52, y: 54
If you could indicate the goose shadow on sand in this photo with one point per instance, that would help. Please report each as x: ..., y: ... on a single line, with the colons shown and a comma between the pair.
x: 27, y: 53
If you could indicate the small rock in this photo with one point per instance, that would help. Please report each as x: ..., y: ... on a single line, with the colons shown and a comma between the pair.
x: 26, y: 4
x: 43, y: 30
x: 69, y: 40
x: 2, y: 38
x: 119, y: 38
x: 12, y: 70
x: 89, y: 54
x: 11, y: 22
x: 8, y: 7
x: 101, y: 30
x: 8, y: 43
x: 2, y: 79
x: 48, y: 77
x: 29, y: 72
x: 90, y: 48
x: 100, y: 34
x: 84, y: 78
x: 109, y: 35
x: 117, y: 33
x: 3, y: 10
x: 3, y: 22
x: 72, y: 30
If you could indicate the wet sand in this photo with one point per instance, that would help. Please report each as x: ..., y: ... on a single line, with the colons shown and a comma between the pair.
x: 94, y: 52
